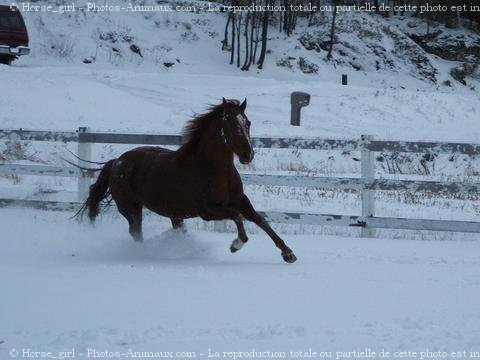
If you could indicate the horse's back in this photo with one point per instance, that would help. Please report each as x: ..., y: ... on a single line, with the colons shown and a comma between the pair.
x: 130, y: 170
x: 152, y: 149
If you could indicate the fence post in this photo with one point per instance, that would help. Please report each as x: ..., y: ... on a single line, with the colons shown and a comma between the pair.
x: 85, y: 153
x: 368, y: 174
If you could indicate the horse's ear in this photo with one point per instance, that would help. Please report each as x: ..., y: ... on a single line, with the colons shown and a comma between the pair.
x: 224, y: 101
x: 243, y: 106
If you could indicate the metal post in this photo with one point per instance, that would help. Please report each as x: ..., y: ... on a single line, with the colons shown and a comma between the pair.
x: 368, y: 174
x: 295, y: 115
x: 298, y: 100
x: 85, y: 153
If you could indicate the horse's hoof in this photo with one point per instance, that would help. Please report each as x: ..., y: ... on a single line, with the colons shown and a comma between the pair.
x: 236, y: 245
x: 289, y: 258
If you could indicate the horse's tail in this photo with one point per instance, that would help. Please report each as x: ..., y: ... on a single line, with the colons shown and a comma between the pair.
x: 98, y: 192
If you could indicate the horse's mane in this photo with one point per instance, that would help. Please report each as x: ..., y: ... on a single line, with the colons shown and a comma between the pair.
x: 193, y: 131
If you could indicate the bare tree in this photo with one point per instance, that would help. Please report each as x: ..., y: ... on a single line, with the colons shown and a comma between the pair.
x: 239, y: 27
x: 225, y: 38
x: 247, y: 42
x: 332, y: 31
x: 257, y: 40
x: 252, y: 30
x: 232, y: 53
x: 263, y: 50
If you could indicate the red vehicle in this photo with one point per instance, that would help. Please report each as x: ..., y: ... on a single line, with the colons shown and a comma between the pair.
x: 13, y: 34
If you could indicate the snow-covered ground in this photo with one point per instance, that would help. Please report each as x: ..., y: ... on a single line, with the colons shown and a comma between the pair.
x: 71, y: 286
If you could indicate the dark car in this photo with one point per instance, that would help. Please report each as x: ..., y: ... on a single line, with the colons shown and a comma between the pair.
x: 13, y: 34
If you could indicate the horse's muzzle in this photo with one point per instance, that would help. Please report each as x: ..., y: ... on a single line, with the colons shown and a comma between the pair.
x: 247, y: 157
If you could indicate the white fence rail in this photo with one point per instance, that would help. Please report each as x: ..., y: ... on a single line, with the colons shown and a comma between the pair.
x: 367, y: 184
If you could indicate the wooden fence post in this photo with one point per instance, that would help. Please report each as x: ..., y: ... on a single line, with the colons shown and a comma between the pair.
x: 85, y: 153
x: 368, y: 174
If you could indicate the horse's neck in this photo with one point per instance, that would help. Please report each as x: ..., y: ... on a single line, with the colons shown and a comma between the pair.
x: 214, y: 150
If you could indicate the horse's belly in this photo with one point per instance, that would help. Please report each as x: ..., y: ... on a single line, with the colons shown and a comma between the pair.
x: 172, y: 214
x: 172, y: 211
x: 172, y: 202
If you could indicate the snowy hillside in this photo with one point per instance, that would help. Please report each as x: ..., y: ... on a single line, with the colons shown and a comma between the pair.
x: 150, y: 62
x: 167, y: 40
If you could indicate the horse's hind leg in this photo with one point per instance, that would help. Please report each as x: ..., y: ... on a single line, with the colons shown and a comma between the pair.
x: 133, y: 213
x: 178, y: 224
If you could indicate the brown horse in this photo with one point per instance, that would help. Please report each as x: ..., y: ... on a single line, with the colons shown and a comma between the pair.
x: 198, y: 179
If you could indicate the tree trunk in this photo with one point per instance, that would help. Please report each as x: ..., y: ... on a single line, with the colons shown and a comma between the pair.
x: 263, y: 50
x: 332, y: 32
x: 247, y: 44
x: 232, y: 54
x: 252, y: 28
x: 286, y: 16
x: 225, y: 38
x: 257, y: 40
x: 239, y: 26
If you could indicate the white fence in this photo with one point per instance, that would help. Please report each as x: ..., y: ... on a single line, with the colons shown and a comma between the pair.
x: 367, y: 184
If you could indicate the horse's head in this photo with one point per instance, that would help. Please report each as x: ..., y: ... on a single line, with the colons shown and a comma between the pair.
x: 236, y: 130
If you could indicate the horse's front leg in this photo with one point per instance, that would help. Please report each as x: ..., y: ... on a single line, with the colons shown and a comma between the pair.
x: 247, y: 210
x: 242, y: 237
x: 213, y: 212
